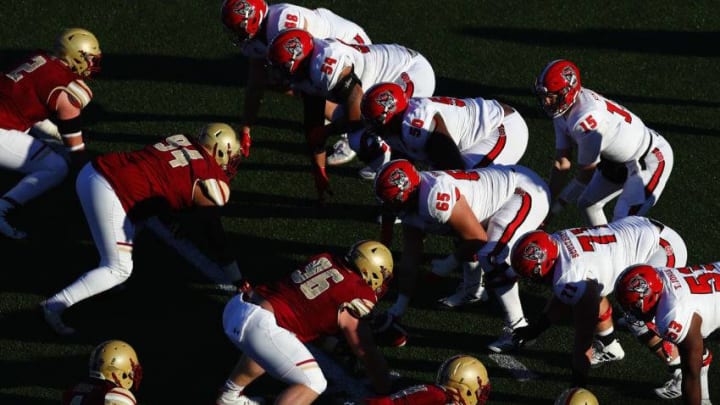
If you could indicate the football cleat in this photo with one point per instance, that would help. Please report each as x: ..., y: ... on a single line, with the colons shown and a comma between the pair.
x: 342, y: 153
x: 505, y: 342
x: 672, y: 388
x: 603, y: 354
x: 53, y: 319
x: 240, y: 400
x: 465, y: 295
x: 370, y: 171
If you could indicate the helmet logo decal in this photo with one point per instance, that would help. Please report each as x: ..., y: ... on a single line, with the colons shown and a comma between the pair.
x: 639, y: 285
x: 569, y: 74
x: 294, y: 47
x: 399, y: 179
x: 246, y: 11
x: 388, y: 102
x: 534, y: 253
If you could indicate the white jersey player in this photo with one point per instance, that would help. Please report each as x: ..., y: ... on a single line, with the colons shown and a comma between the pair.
x: 685, y: 302
x: 583, y: 264
x: 254, y: 23
x: 328, y: 69
x: 486, y: 209
x: 445, y: 132
x: 632, y: 160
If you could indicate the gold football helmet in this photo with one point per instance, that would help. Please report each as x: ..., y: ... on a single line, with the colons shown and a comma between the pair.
x: 466, y: 375
x: 80, y: 50
x: 374, y: 262
x: 222, y: 142
x: 576, y: 396
x: 116, y: 361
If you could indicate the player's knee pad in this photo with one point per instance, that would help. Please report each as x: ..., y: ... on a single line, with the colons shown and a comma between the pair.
x: 51, y: 167
x: 316, y: 380
x: 122, y: 266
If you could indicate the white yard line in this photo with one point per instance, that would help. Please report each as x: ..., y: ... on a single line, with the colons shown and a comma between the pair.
x: 510, y: 363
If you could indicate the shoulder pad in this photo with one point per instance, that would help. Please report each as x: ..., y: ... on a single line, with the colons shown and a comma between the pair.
x: 80, y: 94
x: 358, y: 307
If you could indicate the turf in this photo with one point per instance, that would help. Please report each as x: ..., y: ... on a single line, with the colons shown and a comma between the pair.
x: 168, y: 67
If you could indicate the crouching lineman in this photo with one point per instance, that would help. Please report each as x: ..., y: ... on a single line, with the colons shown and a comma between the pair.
x: 582, y: 264
x: 115, y: 373
x: 328, y: 295
x: 684, y: 302
x: 461, y: 380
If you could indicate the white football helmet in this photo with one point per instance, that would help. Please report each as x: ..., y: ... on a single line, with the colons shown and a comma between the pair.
x: 221, y: 141
x: 80, y: 50
x: 116, y: 361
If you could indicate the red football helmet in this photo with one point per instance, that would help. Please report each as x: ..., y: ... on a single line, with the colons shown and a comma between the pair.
x: 534, y: 255
x: 396, y: 181
x: 381, y: 103
x: 243, y: 18
x: 638, y: 288
x: 289, y: 49
x: 557, y: 87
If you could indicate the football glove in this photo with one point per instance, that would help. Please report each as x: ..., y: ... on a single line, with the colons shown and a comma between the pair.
x: 245, y: 142
x: 322, y: 182
x: 387, y: 330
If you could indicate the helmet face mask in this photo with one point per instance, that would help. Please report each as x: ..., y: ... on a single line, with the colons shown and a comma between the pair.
x: 373, y: 261
x: 243, y: 18
x: 80, y: 50
x: 221, y: 141
x: 289, y: 52
x: 534, y: 255
x: 557, y: 87
x: 116, y: 361
x: 381, y: 103
x: 638, y: 289
x: 467, y: 376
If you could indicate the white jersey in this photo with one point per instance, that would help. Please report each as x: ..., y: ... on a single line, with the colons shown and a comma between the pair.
x: 507, y: 201
x: 371, y: 63
x: 468, y: 121
x: 601, y: 128
x: 601, y: 253
x: 320, y: 22
x: 688, y: 291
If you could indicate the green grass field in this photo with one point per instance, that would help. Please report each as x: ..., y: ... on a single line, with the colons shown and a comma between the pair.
x: 168, y: 67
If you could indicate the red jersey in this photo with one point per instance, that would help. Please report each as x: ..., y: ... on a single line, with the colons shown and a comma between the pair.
x: 308, y: 300
x: 29, y: 90
x: 94, y: 391
x: 427, y: 394
x: 160, y: 176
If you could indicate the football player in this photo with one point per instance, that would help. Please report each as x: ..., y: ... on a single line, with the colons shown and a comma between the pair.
x: 616, y: 153
x: 445, y: 132
x: 581, y: 265
x: 461, y: 380
x: 115, y: 375
x: 330, y: 294
x: 486, y: 209
x: 44, y: 85
x: 576, y: 396
x: 684, y: 302
x: 329, y: 69
x: 253, y: 24
x: 119, y: 190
